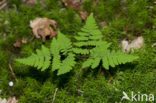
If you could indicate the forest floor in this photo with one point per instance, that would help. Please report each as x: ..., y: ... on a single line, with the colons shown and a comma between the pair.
x: 117, y: 20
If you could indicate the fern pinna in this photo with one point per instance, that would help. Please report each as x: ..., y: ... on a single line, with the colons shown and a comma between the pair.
x: 108, y: 58
x: 41, y: 60
x: 62, y: 46
x: 59, y: 52
x: 89, y: 36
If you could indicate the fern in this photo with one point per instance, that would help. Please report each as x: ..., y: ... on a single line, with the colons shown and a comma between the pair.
x: 59, y: 52
x: 89, y: 36
x: 108, y: 58
x: 41, y: 60
x: 62, y: 46
x: 89, y: 42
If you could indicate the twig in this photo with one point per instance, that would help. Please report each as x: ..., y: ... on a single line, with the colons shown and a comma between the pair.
x: 153, y: 45
x: 54, y: 95
x: 78, y: 75
x: 3, y: 4
x: 12, y: 73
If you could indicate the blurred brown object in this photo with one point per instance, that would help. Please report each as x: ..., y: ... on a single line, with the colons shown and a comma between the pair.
x: 17, y: 44
x: 83, y: 15
x: 3, y: 3
x: 75, y: 4
x: 41, y: 28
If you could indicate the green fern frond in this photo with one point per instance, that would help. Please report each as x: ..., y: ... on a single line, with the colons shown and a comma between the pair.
x: 41, y: 60
x: 80, y: 51
x: 90, y: 35
x: 63, y: 59
x: 108, y: 58
x: 67, y: 64
x: 62, y: 46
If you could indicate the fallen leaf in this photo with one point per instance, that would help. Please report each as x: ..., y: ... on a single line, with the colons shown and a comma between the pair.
x: 30, y: 2
x: 75, y: 4
x: 12, y: 100
x: 128, y: 46
x: 17, y: 44
x: 3, y: 100
x: 103, y: 23
x: 83, y: 15
x: 95, y: 2
x: 24, y: 41
x: 41, y: 28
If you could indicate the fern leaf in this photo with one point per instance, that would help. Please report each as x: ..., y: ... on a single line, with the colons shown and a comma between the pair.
x: 87, y: 63
x: 67, y: 64
x: 96, y: 63
x: 88, y: 36
x: 62, y: 47
x: 41, y: 60
x: 47, y: 58
x: 56, y: 62
x: 80, y: 51
x: 108, y: 58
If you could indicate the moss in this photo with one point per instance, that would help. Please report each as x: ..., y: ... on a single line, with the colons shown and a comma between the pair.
x: 124, y: 20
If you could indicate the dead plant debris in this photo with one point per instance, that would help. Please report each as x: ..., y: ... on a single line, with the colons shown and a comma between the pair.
x: 17, y: 44
x: 41, y: 28
x: 10, y: 100
x: 129, y: 46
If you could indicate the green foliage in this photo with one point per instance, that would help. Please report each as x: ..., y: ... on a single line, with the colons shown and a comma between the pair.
x: 63, y: 59
x: 89, y: 36
x: 60, y: 46
x: 108, y: 58
x: 41, y: 60
x: 123, y: 18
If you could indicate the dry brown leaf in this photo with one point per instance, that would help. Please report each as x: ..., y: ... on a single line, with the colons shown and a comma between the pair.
x: 41, y: 27
x: 33, y: 2
x: 95, y: 2
x: 75, y: 4
x: 103, y: 23
x: 83, y: 15
x: 24, y: 41
x: 30, y: 2
x: 17, y: 44
x: 3, y: 100
x: 128, y: 46
x: 12, y: 100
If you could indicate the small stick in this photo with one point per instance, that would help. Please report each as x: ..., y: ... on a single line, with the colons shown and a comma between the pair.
x: 2, y: 2
x: 78, y: 75
x: 12, y: 72
x: 3, y: 5
x: 54, y: 95
x: 153, y: 45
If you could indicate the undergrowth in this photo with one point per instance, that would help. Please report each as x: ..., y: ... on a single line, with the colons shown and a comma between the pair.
x: 122, y: 20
